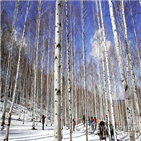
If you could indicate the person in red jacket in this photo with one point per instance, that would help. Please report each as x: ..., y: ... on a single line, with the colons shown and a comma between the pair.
x: 95, y: 123
x: 73, y: 124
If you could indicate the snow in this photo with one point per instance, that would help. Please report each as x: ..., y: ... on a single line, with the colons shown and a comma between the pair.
x: 24, y: 132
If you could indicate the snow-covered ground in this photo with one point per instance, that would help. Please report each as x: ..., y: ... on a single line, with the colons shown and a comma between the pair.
x: 23, y: 132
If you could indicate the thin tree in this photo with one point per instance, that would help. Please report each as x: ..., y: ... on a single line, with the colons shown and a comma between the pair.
x: 123, y: 80
x: 84, y: 65
x: 108, y: 74
x: 36, y: 61
x: 75, y: 68
x: 131, y: 65
x: 57, y: 70
x: 48, y: 55
x: 42, y: 67
x: 17, y: 75
x: 68, y: 72
x: 136, y: 40
x: 99, y: 81
x: 9, y: 61
x: 61, y: 77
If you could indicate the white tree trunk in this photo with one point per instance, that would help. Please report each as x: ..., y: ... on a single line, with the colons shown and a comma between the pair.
x: 66, y: 103
x: 84, y: 65
x: 99, y: 81
x: 23, y: 99
x: 106, y: 96
x: 57, y: 89
x: 52, y: 96
x: 76, y: 115
x: 71, y: 62
x: 48, y: 87
x: 36, y: 62
x: 42, y: 71
x: 8, y: 73
x: 136, y: 40
x: 123, y: 80
x: 61, y: 78
x: 68, y: 72
x: 17, y: 74
x: 108, y: 74
x: 131, y: 66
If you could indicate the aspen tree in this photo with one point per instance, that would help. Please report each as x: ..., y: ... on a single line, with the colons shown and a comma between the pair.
x: 106, y: 96
x: 123, y: 80
x: 107, y: 67
x: 66, y: 122
x: 94, y: 89
x: 136, y: 40
x: 131, y: 66
x: 61, y: 76
x: 8, y: 73
x: 84, y: 65
x: 75, y: 69
x: 57, y: 69
x: 52, y: 98
x: 99, y: 88
x: 23, y: 99
x: 68, y: 72
x: 71, y: 63
x: 48, y: 87
x: 42, y: 68
x: 36, y: 61
x: 17, y: 75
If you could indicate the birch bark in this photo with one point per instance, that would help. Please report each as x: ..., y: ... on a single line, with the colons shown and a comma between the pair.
x: 61, y: 77
x: 84, y: 65
x: 123, y: 80
x: 106, y: 96
x: 57, y: 67
x: 36, y: 62
x: 131, y: 66
x: 71, y: 63
x: 68, y: 68
x: 75, y: 74
x: 107, y: 66
x: 136, y: 40
x: 8, y: 73
x: 42, y: 68
x: 17, y: 74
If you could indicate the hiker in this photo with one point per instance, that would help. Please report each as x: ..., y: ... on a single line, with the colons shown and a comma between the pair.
x: 73, y: 124
x: 89, y: 120
x: 92, y: 124
x: 111, y: 131
x: 102, y: 130
x: 43, y: 121
x: 106, y: 121
x: 95, y: 123
x: 84, y: 120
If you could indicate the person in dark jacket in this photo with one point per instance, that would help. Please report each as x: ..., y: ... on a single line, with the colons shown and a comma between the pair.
x: 111, y: 131
x: 84, y: 120
x: 89, y: 120
x: 43, y: 121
